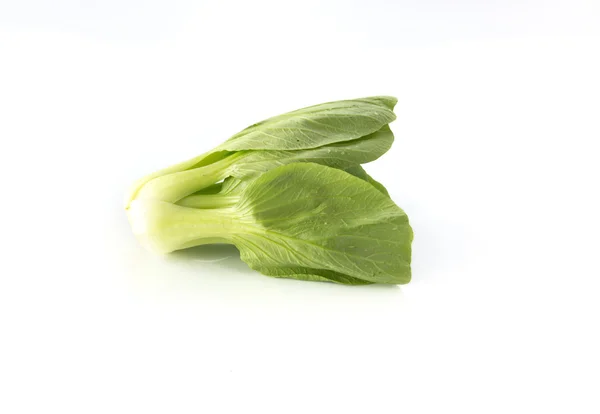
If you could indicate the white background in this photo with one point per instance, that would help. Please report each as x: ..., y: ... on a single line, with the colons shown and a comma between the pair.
x: 495, y: 162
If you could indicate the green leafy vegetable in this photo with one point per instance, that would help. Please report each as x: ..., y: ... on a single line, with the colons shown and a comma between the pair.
x: 291, y: 194
x: 304, y: 221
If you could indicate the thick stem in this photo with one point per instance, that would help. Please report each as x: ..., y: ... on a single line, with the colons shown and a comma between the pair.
x: 209, y: 201
x: 175, y: 186
x: 182, y: 166
x: 164, y: 227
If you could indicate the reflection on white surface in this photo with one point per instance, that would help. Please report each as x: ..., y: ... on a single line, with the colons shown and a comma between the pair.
x: 211, y: 253
x: 215, y: 273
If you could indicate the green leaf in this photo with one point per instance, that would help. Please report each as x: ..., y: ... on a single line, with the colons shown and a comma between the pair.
x: 338, y: 134
x: 316, y: 126
x: 338, y: 155
x: 360, y: 172
x: 377, y: 185
x: 312, y: 222
x: 246, y: 165
x: 228, y: 192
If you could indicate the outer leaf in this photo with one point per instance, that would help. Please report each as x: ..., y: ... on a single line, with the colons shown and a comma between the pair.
x: 246, y: 165
x: 360, y: 172
x: 316, y: 126
x: 312, y: 222
x: 377, y: 185
x: 342, y: 155
x: 335, y: 124
x: 196, y: 162
x: 229, y: 191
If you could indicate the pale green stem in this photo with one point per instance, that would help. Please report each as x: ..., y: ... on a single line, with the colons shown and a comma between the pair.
x: 182, y: 166
x: 175, y: 186
x: 164, y: 227
x: 209, y: 201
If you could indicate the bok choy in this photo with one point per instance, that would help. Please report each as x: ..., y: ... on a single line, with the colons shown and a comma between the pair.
x: 290, y: 193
